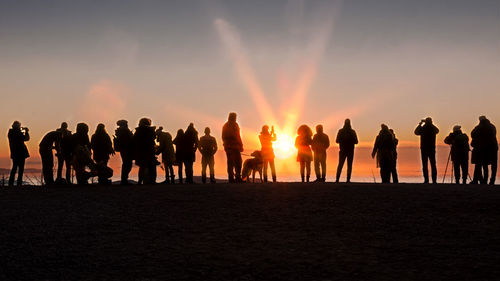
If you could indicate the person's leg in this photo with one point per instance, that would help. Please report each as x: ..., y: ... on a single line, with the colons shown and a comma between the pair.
x: 302, y: 170
x: 47, y: 166
x: 465, y: 170
x: 308, y: 170
x: 350, y: 159
x: 67, y: 162
x: 211, y: 167
x: 264, y: 169
x: 484, y: 179
x: 456, y: 168
x: 432, y: 159
x: 316, y: 166
x: 171, y: 170
x: 230, y: 166
x: 13, y: 172
x: 21, y: 171
x: 152, y: 172
x: 237, y: 166
x: 323, y: 169
x: 494, y: 167
x: 204, y: 164
x: 342, y: 157
x: 477, y: 174
x: 425, y: 171
x: 181, y: 180
x: 60, y: 165
x: 273, y: 169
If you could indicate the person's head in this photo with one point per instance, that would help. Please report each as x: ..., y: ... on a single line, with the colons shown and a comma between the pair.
x: 392, y: 132
x: 319, y: 129
x: 428, y: 120
x: 456, y: 128
x: 180, y: 132
x: 347, y: 123
x: 158, y: 131
x: 82, y: 128
x: 122, y: 123
x: 16, y: 125
x: 207, y: 131
x: 384, y: 127
x: 483, y: 120
x: 304, y: 131
x: 144, y: 122
x: 265, y: 129
x: 100, y: 128
x: 232, y: 117
x: 64, y: 126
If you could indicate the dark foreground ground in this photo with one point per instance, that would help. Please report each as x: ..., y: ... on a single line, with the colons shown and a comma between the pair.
x: 251, y: 232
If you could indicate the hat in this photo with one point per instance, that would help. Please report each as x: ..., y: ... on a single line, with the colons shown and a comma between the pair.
x: 456, y: 128
x: 121, y: 123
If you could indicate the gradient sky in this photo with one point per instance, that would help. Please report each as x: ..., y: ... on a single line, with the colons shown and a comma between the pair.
x: 390, y: 61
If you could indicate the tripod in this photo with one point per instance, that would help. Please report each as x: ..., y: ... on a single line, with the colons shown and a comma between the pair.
x: 446, y: 169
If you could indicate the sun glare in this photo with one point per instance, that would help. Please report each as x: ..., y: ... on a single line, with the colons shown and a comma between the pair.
x: 284, y: 146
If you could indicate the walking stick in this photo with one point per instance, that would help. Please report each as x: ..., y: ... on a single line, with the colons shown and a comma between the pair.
x: 446, y: 169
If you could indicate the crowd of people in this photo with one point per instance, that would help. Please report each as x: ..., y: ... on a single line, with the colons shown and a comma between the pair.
x: 89, y: 157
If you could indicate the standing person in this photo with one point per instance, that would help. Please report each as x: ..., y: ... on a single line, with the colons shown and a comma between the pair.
x: 18, y: 151
x: 64, y: 155
x: 384, y: 148
x: 394, y: 170
x: 102, y: 148
x: 191, y: 143
x: 485, y: 151
x: 459, y: 153
x: 347, y: 139
x: 166, y: 148
x: 304, y: 154
x: 267, y: 152
x: 180, y: 152
x: 427, y: 132
x: 207, y: 146
x: 233, y: 146
x: 319, y: 145
x: 50, y: 141
x: 123, y: 143
x: 144, y: 151
x: 80, y: 147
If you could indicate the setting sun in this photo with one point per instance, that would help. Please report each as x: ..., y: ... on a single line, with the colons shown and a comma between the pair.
x: 284, y: 146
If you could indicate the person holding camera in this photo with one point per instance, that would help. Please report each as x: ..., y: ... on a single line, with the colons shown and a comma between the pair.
x: 427, y: 132
x: 18, y: 151
x: 266, y: 142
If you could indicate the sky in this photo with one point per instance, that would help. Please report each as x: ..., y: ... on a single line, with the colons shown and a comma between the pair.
x: 281, y: 63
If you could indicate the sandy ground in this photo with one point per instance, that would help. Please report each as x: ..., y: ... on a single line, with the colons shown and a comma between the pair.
x: 284, y: 231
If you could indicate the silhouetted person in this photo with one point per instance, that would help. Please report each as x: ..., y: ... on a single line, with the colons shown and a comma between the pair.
x: 233, y: 146
x: 459, y: 153
x: 51, y: 141
x: 384, y: 148
x: 266, y: 141
x: 427, y: 132
x: 80, y: 144
x: 347, y: 139
x: 102, y: 148
x: 394, y: 170
x: 166, y: 148
x: 124, y: 143
x: 18, y: 151
x: 64, y: 155
x: 304, y: 155
x: 207, y: 146
x: 485, y: 151
x: 180, y: 152
x: 319, y: 145
x: 144, y: 151
x: 191, y: 143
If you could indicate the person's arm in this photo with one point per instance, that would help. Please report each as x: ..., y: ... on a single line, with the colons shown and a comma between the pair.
x: 327, y: 142
x: 375, y: 147
x: 337, y: 140
x: 26, y: 136
x: 355, y: 137
x: 418, y: 129
x: 448, y: 139
x: 214, y: 145
x: 436, y: 130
